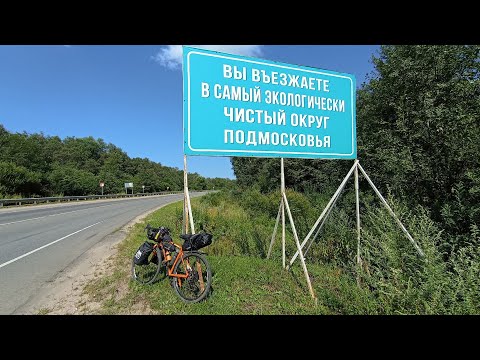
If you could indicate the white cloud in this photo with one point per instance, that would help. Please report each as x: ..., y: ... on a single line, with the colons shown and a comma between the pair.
x: 170, y: 56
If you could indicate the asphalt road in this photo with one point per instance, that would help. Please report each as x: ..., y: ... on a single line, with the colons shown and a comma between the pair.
x: 36, y: 243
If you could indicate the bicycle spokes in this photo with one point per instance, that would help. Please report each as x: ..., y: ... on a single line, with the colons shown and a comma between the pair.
x: 196, y: 283
x: 147, y: 273
x: 190, y: 272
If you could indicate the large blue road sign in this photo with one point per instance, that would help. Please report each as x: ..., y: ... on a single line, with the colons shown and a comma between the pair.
x: 243, y: 106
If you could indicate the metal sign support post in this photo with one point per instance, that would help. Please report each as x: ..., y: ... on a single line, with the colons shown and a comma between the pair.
x: 281, y: 212
x: 323, y: 216
x: 187, y: 207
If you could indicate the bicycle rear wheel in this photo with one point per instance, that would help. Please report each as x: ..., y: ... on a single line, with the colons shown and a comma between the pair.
x: 146, y: 274
x: 197, y: 285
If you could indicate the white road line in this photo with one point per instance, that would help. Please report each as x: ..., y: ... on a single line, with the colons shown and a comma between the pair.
x: 41, y: 217
x: 44, y: 246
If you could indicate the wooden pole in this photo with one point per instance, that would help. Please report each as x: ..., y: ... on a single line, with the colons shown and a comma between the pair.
x: 282, y: 204
x: 192, y: 225
x: 391, y: 211
x: 357, y: 199
x: 357, y: 209
x: 322, y: 223
x: 299, y: 249
x: 185, y: 191
x: 200, y: 276
x: 274, y: 230
x: 340, y: 188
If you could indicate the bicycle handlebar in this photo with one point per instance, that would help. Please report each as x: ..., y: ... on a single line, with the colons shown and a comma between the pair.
x: 162, y: 230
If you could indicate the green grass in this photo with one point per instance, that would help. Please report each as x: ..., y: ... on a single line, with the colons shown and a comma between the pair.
x: 43, y: 311
x: 393, y: 278
x: 241, y: 284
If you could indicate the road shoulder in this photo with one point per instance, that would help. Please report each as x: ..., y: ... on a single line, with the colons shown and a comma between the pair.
x: 64, y: 293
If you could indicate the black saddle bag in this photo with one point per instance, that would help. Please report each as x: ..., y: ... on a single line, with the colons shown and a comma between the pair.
x: 196, y: 241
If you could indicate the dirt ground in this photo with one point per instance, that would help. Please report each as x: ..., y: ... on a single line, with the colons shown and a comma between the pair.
x: 63, y: 295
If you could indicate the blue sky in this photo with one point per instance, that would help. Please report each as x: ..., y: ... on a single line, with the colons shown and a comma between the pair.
x: 131, y: 96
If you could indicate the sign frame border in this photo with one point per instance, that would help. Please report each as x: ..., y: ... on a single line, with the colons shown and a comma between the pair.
x: 345, y: 156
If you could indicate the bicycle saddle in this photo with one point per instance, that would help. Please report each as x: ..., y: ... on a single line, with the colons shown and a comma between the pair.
x: 186, y: 236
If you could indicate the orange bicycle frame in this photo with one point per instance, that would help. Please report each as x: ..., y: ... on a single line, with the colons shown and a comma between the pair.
x: 178, y: 258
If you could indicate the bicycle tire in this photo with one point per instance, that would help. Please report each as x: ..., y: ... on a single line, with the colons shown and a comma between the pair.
x: 146, y: 274
x: 190, y: 289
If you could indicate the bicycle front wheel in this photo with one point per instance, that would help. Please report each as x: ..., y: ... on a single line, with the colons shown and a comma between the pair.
x: 197, y: 285
x: 146, y: 274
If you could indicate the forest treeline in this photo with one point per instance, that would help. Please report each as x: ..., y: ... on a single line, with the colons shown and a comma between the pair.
x: 39, y: 165
x: 418, y: 136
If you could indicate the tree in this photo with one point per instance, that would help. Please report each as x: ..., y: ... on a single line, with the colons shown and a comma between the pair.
x: 418, y: 127
x: 19, y: 180
x: 34, y: 164
x: 71, y: 181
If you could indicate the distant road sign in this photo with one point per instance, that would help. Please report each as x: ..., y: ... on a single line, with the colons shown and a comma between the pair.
x: 128, y: 185
x: 241, y: 106
x: 102, y: 184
